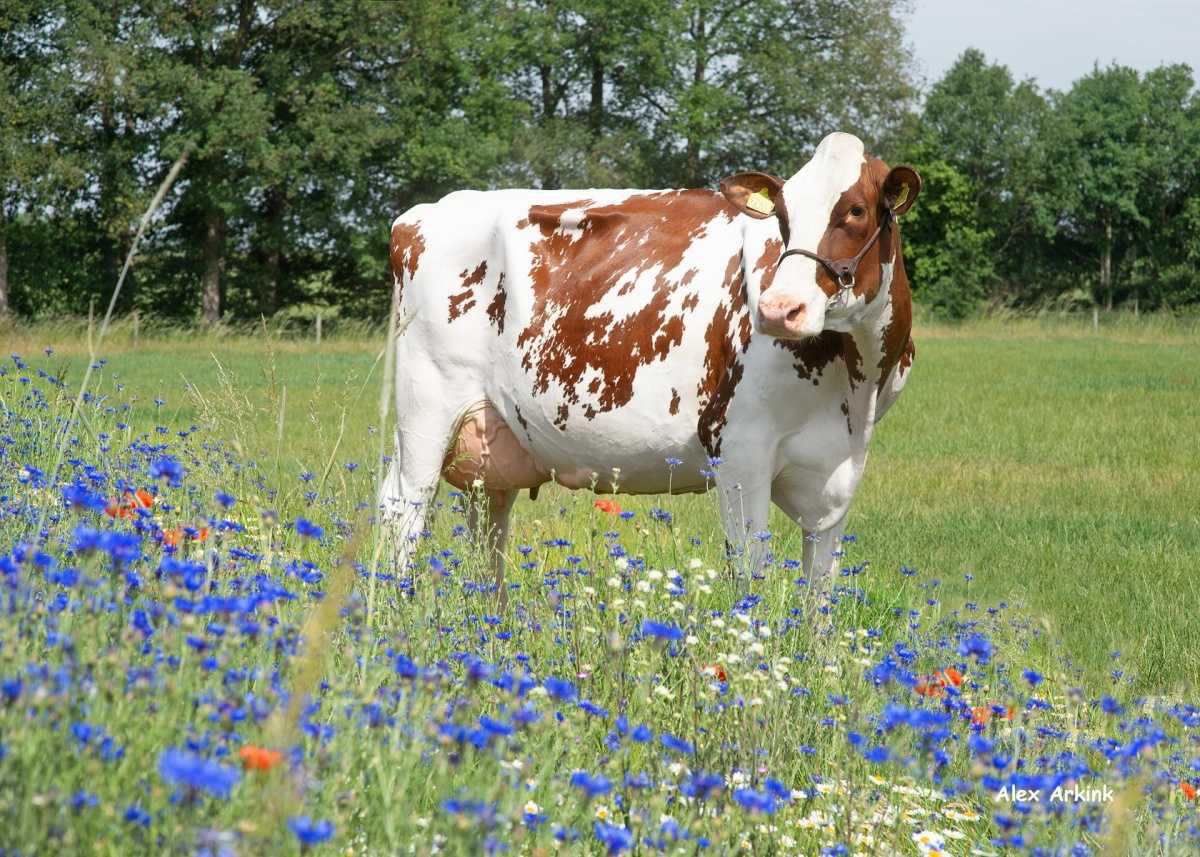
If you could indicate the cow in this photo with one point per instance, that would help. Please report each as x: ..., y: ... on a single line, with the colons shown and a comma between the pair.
x: 654, y: 341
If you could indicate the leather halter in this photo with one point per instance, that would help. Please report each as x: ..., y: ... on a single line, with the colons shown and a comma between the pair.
x: 843, y: 270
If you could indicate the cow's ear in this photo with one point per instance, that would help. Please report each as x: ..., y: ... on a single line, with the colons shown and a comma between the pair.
x: 901, y: 187
x: 759, y: 195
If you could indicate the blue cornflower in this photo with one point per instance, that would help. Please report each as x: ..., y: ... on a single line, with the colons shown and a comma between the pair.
x: 594, y: 786
x: 189, y: 770
x: 226, y: 500
x: 677, y: 745
x: 593, y: 709
x: 877, y: 754
x: 310, y: 832
x: 307, y: 529
x: 674, y: 462
x: 1033, y: 677
x: 976, y: 646
x: 701, y: 785
x: 83, y: 799
x: 617, y: 839
x: 136, y: 815
x: 755, y: 801
x: 168, y: 468
x: 661, y: 630
x: 642, y: 734
x: 560, y: 688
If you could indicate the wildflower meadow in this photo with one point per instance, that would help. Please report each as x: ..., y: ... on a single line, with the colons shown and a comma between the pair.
x: 207, y: 649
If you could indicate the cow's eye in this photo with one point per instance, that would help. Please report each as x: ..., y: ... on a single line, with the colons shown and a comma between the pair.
x: 857, y: 211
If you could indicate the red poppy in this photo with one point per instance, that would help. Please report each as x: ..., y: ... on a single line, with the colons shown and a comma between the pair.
x: 142, y: 497
x: 609, y: 507
x: 716, y: 671
x: 1189, y: 790
x: 202, y: 535
x: 259, y: 758
x: 928, y: 687
x: 980, y: 715
x: 171, y: 537
x: 950, y: 676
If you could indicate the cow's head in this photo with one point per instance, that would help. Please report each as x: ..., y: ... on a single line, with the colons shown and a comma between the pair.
x: 831, y: 208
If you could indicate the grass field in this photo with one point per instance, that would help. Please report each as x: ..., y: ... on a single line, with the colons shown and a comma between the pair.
x: 1061, y: 470
x: 1033, y: 464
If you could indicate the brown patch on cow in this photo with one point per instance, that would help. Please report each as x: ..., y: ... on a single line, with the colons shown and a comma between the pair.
x: 498, y: 306
x: 673, y: 407
x: 465, y: 299
x: 722, y: 368
x: 690, y: 302
x: 576, y: 267
x: 846, y: 411
x: 523, y: 422
x: 768, y: 262
x: 907, y: 356
x: 560, y: 421
x: 898, y: 348
x: 811, y: 356
x: 407, y: 246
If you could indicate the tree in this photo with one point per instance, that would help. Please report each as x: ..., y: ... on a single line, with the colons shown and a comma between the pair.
x: 993, y: 134
x: 1100, y: 160
x: 946, y: 248
x: 757, y: 83
x: 33, y: 111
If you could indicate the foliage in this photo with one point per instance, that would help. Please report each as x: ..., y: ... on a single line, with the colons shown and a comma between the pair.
x: 315, y: 124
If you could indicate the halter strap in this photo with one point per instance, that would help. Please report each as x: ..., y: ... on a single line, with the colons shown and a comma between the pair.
x: 842, y: 270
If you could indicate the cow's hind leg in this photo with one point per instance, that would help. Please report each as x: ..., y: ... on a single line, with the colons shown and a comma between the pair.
x: 488, y: 515
x: 413, y: 477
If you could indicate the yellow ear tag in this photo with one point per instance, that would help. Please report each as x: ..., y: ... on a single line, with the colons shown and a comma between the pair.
x: 761, y: 202
x: 901, y: 197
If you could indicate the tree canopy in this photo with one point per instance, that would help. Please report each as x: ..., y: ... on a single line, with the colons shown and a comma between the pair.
x: 315, y: 123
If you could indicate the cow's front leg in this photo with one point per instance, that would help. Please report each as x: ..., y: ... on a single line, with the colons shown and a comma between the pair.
x: 745, y: 507
x: 822, y: 554
x: 818, y: 505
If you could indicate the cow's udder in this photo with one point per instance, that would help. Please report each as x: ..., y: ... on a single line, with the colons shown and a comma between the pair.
x: 486, y: 449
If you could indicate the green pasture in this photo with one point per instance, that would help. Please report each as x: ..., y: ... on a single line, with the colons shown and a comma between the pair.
x: 1057, y: 467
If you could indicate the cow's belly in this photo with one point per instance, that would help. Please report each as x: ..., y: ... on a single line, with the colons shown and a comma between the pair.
x: 487, y: 453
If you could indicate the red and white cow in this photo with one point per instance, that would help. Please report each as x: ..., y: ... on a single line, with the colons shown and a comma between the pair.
x: 587, y: 337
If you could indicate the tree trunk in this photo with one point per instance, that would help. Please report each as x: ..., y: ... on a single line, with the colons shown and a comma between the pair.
x: 214, y: 267
x: 596, y: 107
x: 698, y: 70
x: 1106, y: 267
x: 4, y: 309
x: 268, y: 302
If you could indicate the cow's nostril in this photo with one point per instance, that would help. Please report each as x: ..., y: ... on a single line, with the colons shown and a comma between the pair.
x: 795, y: 312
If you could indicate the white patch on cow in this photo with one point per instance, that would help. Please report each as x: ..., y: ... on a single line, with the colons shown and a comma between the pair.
x: 571, y: 218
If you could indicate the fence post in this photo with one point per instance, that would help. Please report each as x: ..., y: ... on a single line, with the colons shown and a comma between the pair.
x: 318, y: 328
x: 137, y: 323
x: 1095, y: 319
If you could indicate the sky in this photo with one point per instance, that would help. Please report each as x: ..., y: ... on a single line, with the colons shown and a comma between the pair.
x: 1056, y: 41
